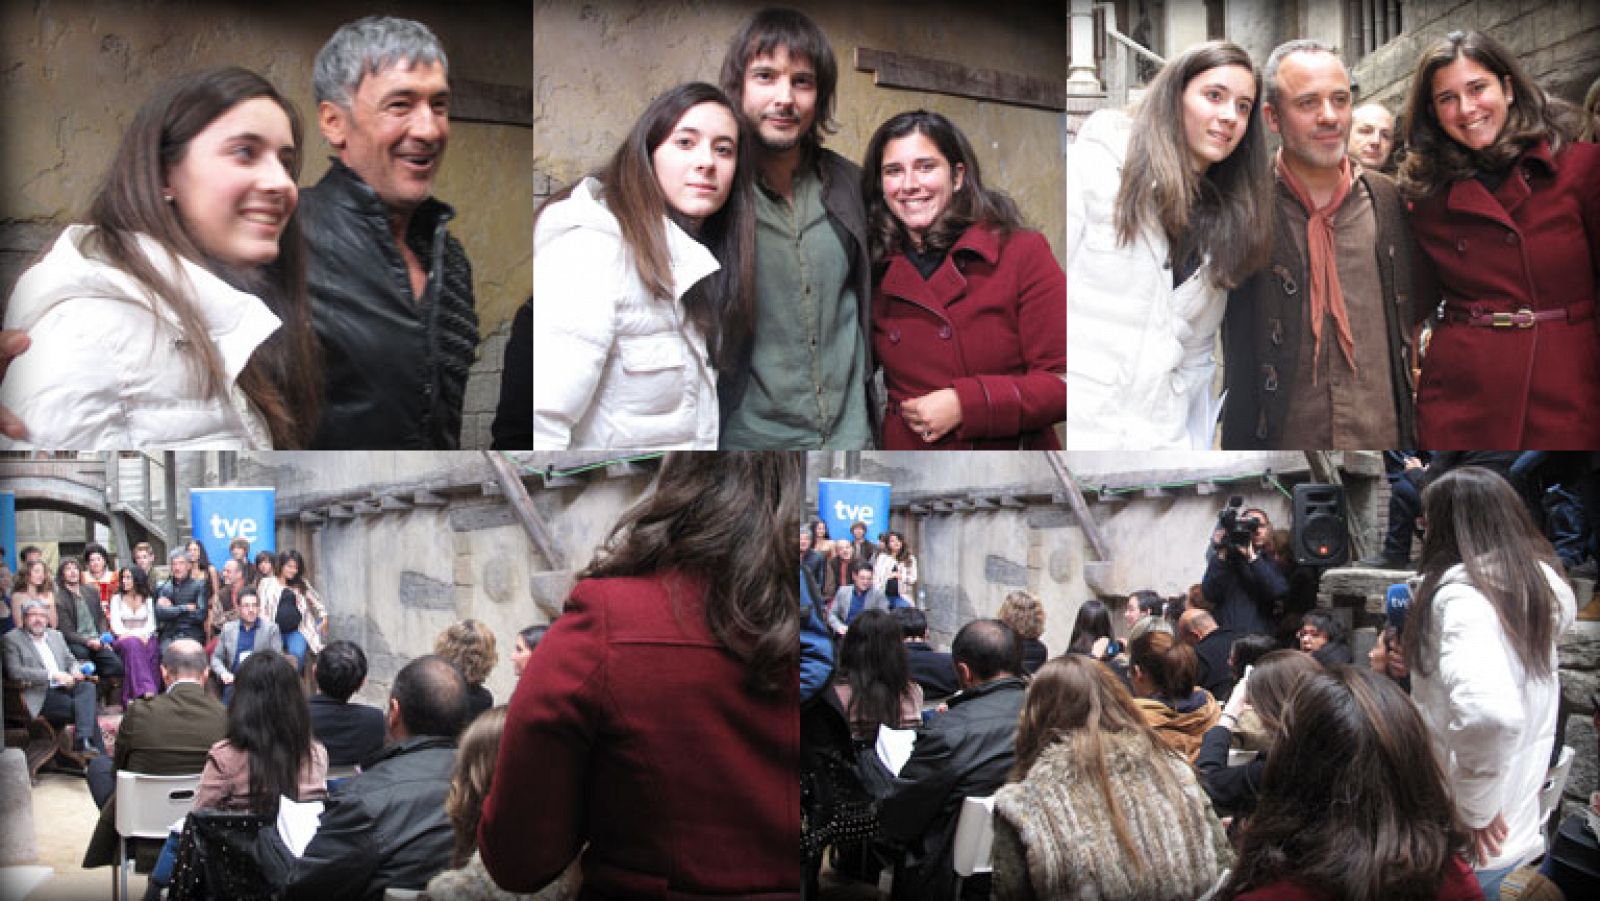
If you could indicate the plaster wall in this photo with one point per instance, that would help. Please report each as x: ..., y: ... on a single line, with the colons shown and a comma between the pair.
x: 80, y: 69
x: 598, y: 64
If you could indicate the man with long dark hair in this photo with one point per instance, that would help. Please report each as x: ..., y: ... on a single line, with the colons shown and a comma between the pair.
x: 813, y: 272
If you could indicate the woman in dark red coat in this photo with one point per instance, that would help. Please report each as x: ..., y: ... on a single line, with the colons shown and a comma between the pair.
x: 1508, y: 211
x: 969, y: 312
x: 657, y: 728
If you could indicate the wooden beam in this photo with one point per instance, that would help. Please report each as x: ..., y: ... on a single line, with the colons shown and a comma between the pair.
x: 516, y: 495
x: 919, y: 73
x: 340, y: 511
x: 391, y: 503
x: 428, y: 499
x: 1091, y: 529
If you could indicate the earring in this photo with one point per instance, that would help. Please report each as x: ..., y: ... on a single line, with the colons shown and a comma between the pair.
x: 167, y: 197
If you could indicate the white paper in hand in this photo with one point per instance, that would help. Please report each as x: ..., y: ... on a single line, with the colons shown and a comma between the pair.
x: 894, y: 747
x: 297, y: 823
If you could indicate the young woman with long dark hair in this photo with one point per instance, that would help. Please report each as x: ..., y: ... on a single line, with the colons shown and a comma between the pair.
x: 660, y: 717
x: 1097, y: 806
x: 1480, y: 640
x: 894, y: 569
x: 1353, y: 805
x: 968, y: 306
x: 177, y: 314
x: 1163, y: 673
x: 1092, y: 635
x: 1507, y: 208
x: 1266, y: 691
x: 643, y: 278
x: 269, y: 752
x: 295, y: 607
x: 873, y: 678
x: 133, y: 626
x: 1168, y: 208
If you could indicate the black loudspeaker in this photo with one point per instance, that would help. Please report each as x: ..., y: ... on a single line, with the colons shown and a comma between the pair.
x: 1321, y: 536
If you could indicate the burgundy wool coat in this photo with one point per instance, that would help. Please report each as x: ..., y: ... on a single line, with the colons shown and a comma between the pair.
x: 631, y: 732
x: 1534, y: 244
x: 990, y: 323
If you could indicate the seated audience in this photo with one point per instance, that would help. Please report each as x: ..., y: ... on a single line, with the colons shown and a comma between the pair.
x: 656, y: 730
x: 933, y: 670
x: 1097, y: 806
x: 872, y: 683
x: 268, y: 751
x: 82, y: 620
x: 133, y: 626
x: 167, y: 735
x: 1163, y: 676
x: 1322, y: 636
x: 469, y: 785
x: 387, y: 827
x: 469, y: 646
x: 1024, y: 613
x: 527, y: 640
x: 53, y: 683
x: 1353, y: 803
x: 351, y: 732
x: 1266, y: 692
x: 247, y: 635
x: 1212, y: 643
x: 962, y: 753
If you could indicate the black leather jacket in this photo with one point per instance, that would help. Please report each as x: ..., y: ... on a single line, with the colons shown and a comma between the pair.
x: 395, y: 365
x: 386, y: 828
x: 963, y: 753
x: 186, y: 617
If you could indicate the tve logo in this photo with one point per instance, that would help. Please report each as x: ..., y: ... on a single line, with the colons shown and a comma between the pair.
x: 841, y: 504
x: 221, y: 515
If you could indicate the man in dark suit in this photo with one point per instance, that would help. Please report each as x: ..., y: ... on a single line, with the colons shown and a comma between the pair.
x: 350, y: 732
x: 167, y: 735
x: 1211, y: 644
x: 934, y: 670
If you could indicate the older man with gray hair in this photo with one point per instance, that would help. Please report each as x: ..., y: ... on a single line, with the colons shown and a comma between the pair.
x: 181, y: 603
x: 391, y: 289
x: 53, y: 683
x: 1317, y: 344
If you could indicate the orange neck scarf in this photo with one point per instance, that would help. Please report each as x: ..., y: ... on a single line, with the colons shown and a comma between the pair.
x: 1326, y: 294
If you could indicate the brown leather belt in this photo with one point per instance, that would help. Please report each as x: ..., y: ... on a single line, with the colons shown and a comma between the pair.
x: 1480, y: 315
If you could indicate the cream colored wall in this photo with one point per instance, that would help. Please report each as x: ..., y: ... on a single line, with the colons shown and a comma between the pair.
x: 75, y: 71
x: 597, y: 64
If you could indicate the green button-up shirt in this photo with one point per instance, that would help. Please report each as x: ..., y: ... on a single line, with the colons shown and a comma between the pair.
x: 809, y: 357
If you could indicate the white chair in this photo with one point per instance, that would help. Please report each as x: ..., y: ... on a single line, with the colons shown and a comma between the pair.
x: 1555, y: 782
x: 147, y: 806
x: 974, y: 844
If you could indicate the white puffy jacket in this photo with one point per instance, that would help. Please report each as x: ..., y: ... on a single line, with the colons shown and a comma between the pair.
x: 1492, y: 724
x: 106, y: 368
x: 1140, y: 355
x: 614, y: 367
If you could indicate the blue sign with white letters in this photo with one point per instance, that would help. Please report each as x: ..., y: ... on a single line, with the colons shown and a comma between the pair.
x: 842, y: 504
x: 219, y: 515
x: 8, y: 528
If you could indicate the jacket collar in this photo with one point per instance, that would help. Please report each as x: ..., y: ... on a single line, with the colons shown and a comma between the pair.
x: 406, y: 746
x: 1470, y: 196
x: 347, y: 189
x: 948, y: 282
x: 1008, y: 683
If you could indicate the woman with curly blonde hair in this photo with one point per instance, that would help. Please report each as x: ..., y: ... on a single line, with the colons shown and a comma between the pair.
x: 1024, y: 613
x: 469, y: 646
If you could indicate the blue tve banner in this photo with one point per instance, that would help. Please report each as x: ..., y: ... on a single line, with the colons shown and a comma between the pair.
x: 219, y: 515
x: 8, y: 529
x: 841, y: 504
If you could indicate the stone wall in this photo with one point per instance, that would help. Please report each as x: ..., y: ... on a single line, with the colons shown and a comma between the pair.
x: 586, y: 97
x: 1554, y: 39
x: 78, y: 69
x: 394, y: 578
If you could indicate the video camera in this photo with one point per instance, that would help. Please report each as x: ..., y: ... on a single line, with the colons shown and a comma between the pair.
x: 1237, y: 531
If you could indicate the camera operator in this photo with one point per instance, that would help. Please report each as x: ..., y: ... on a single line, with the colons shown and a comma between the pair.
x: 1242, y: 578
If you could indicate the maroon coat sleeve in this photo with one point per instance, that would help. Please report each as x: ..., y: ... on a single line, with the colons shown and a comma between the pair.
x: 998, y: 406
x: 534, y: 817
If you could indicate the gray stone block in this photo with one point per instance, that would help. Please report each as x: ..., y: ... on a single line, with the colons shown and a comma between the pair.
x: 1585, y: 775
x: 1580, y: 646
x: 549, y: 590
x: 17, y: 843
x: 1049, y: 518
x: 481, y: 516
x: 420, y: 592
x: 1000, y: 571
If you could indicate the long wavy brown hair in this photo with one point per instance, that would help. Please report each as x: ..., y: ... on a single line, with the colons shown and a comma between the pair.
x: 1224, y: 214
x: 1475, y: 519
x: 1433, y: 159
x: 1352, y: 799
x: 469, y: 783
x: 728, y: 519
x: 1074, y: 700
x: 283, y: 377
